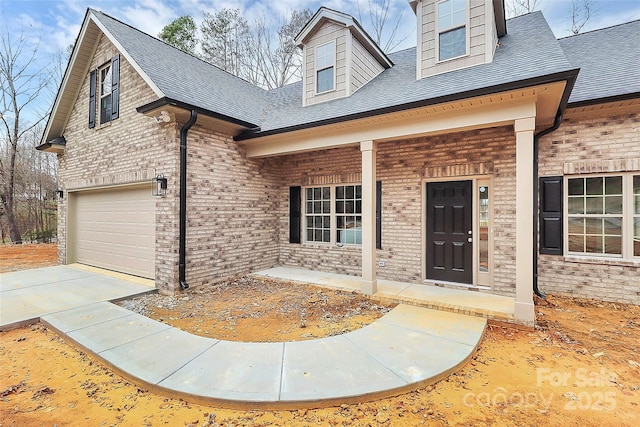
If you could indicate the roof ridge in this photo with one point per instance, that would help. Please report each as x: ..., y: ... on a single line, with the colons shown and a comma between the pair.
x: 96, y: 11
x: 599, y: 29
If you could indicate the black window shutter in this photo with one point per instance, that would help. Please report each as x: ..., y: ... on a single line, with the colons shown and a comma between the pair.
x: 378, y: 214
x: 92, y: 99
x: 551, y: 215
x: 295, y: 216
x: 115, y: 87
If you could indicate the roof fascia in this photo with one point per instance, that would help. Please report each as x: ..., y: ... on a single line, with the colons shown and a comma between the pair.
x: 606, y: 99
x: 352, y: 24
x: 126, y: 54
x: 65, y: 78
x: 500, y: 17
x: 489, y: 90
x: 158, y: 103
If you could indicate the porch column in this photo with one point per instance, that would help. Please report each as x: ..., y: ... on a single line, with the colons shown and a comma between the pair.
x: 369, y: 284
x: 524, y: 308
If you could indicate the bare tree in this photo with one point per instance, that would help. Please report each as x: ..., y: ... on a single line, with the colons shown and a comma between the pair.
x: 581, y: 12
x: 378, y: 24
x: 274, y: 58
x: 225, y: 40
x: 520, y: 7
x: 21, y: 85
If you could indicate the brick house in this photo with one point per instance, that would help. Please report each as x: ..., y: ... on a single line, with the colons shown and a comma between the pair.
x: 492, y: 157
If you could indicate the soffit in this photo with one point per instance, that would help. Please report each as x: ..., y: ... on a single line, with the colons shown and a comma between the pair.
x: 498, y: 109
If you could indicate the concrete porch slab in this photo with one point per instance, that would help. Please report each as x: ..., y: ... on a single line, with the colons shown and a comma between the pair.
x: 472, y: 303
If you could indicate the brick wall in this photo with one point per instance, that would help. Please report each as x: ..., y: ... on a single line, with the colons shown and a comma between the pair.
x: 588, y: 142
x: 232, y: 215
x: 403, y: 166
x: 124, y: 151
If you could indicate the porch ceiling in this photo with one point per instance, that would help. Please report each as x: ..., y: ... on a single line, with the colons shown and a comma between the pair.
x: 541, y: 102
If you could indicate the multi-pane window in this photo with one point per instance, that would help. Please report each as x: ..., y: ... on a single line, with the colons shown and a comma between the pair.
x: 334, y: 214
x: 318, y: 214
x: 105, y: 93
x: 603, y: 214
x: 452, y: 29
x: 325, y: 67
x: 349, y: 214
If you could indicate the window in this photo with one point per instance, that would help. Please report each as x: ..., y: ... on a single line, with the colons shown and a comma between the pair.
x: 452, y: 30
x: 104, y: 92
x: 349, y: 214
x: 603, y: 214
x: 334, y: 214
x: 325, y: 67
x: 318, y: 214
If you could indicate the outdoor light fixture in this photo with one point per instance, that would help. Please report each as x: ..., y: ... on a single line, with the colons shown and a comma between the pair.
x: 60, y: 194
x: 159, y: 186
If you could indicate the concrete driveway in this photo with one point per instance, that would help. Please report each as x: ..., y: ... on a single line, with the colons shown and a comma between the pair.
x: 26, y: 296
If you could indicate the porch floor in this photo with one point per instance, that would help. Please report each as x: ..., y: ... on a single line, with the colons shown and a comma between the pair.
x: 493, y: 307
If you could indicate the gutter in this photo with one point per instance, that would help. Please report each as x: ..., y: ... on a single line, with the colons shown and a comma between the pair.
x: 536, y: 146
x: 182, y: 263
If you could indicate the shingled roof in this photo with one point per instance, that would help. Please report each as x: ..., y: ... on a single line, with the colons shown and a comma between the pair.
x: 528, y: 54
x: 609, y: 62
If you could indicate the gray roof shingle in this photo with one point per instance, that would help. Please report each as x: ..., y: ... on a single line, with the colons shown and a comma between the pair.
x: 528, y: 51
x: 187, y: 79
x: 609, y: 62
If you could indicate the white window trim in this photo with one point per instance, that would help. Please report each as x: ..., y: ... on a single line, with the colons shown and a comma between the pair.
x: 101, y: 96
x: 627, y: 218
x: 316, y: 70
x: 467, y: 27
x: 333, y: 222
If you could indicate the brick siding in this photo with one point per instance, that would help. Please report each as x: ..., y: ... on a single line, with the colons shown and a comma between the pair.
x: 585, y: 143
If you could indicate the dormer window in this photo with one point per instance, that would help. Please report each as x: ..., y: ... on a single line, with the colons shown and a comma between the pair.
x: 325, y: 67
x: 452, y: 29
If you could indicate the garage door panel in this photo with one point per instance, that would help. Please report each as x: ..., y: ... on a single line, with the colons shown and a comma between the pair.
x: 115, y: 229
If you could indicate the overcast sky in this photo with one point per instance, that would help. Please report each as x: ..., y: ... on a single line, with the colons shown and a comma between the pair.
x: 57, y: 23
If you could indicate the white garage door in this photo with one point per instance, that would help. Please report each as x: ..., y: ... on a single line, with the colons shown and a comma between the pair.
x: 115, y: 229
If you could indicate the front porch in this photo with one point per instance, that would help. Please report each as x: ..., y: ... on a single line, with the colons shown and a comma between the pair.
x: 492, y: 307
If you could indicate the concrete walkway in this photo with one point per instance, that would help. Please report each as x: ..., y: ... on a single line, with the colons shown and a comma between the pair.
x: 27, y: 295
x: 408, y: 348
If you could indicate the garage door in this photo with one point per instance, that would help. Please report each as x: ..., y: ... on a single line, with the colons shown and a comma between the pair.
x: 115, y: 229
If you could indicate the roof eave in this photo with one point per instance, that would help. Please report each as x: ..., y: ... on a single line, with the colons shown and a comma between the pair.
x: 568, y: 75
x: 164, y: 101
x: 603, y: 100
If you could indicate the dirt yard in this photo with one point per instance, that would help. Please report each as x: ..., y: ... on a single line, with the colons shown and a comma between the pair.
x: 580, y: 367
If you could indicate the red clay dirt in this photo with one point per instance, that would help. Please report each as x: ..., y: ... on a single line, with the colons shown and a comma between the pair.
x: 579, y: 367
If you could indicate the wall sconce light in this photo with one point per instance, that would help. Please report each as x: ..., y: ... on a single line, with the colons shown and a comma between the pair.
x: 163, y: 117
x: 60, y: 194
x: 159, y: 186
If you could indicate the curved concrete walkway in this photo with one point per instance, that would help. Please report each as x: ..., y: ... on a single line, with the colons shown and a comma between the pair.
x: 408, y: 348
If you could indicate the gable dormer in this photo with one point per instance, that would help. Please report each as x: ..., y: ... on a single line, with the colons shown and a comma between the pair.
x: 454, y: 34
x: 339, y: 57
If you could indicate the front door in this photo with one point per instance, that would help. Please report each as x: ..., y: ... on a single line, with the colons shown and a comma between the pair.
x: 449, y: 246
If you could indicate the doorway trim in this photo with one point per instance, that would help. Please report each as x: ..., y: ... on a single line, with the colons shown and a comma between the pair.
x: 480, y: 281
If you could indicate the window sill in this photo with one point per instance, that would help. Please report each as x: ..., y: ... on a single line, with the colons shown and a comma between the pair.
x: 602, y: 261
x: 320, y: 245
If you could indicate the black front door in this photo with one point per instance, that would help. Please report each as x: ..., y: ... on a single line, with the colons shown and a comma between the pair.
x: 449, y: 247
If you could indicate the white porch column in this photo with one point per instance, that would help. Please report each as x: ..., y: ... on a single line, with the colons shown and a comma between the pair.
x: 369, y: 284
x: 524, y: 308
